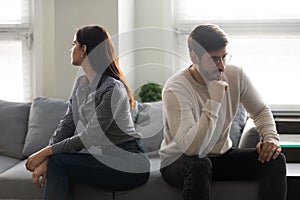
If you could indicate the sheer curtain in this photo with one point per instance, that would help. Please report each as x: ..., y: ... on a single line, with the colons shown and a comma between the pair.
x: 264, y: 39
x: 15, y: 41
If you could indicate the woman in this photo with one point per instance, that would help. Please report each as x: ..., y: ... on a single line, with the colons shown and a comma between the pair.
x: 95, y: 142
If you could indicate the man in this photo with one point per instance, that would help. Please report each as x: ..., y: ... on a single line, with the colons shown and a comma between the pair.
x: 200, y: 103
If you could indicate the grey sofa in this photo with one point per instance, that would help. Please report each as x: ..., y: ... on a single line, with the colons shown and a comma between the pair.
x: 27, y: 127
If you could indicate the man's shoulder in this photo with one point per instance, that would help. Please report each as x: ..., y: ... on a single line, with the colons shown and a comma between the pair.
x: 233, y: 69
x: 177, y: 78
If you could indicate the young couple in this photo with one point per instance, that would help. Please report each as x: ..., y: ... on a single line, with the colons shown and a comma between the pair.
x: 96, y: 142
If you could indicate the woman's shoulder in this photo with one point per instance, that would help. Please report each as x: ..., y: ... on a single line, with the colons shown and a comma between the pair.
x: 111, y: 82
x: 80, y: 80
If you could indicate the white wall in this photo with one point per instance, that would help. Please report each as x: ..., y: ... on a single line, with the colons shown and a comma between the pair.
x: 153, y: 19
x: 57, y: 20
x: 126, y: 38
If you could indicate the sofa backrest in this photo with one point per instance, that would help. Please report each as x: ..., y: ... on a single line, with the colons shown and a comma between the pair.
x: 26, y: 128
x: 13, y: 127
x: 44, y: 117
x: 148, y: 119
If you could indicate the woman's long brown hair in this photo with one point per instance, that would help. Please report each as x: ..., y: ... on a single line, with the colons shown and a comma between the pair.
x: 101, y: 54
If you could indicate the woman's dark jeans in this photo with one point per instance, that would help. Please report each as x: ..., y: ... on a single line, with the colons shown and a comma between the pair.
x: 69, y: 168
x: 193, y: 174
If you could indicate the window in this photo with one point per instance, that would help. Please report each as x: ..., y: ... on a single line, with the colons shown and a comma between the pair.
x: 15, y: 41
x: 264, y: 39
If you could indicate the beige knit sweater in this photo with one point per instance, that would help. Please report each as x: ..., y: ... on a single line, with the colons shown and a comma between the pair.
x: 196, y: 125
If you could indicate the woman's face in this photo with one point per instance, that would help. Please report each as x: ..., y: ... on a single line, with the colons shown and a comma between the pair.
x: 77, y: 55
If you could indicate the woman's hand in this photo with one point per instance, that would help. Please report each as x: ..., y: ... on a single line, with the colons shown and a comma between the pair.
x: 267, y: 150
x: 39, y: 174
x: 37, y: 158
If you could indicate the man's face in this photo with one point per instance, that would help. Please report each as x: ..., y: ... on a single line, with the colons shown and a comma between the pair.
x: 212, y: 64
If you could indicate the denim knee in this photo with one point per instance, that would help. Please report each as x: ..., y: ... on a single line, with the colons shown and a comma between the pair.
x: 279, y: 164
x: 198, y: 166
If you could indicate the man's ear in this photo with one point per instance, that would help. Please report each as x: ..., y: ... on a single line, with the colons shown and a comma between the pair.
x: 195, y: 58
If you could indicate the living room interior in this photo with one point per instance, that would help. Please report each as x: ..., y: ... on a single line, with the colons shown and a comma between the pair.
x: 150, y: 39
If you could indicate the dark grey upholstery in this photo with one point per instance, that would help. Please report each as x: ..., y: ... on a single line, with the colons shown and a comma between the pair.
x: 15, y: 183
x: 7, y: 162
x: 13, y: 127
x: 45, y: 114
x: 157, y: 188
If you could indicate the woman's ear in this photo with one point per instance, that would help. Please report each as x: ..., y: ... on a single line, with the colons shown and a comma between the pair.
x: 83, y: 49
x: 195, y: 58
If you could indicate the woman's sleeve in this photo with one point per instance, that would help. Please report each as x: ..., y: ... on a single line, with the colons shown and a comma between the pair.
x: 63, y: 139
x: 108, y: 105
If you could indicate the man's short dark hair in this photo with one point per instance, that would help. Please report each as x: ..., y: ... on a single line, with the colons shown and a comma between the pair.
x: 207, y: 38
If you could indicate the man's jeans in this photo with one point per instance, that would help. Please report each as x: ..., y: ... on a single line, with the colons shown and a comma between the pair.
x: 66, y: 169
x: 193, y: 174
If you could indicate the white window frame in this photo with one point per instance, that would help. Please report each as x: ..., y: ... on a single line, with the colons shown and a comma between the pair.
x: 270, y: 27
x: 21, y: 31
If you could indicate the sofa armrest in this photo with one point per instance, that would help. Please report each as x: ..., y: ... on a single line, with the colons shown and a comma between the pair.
x: 250, y: 136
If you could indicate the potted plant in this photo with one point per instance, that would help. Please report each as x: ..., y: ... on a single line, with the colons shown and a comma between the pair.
x: 150, y: 92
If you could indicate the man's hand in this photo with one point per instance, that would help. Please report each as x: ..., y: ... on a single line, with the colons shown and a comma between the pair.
x: 217, y: 89
x: 39, y: 174
x: 267, y: 150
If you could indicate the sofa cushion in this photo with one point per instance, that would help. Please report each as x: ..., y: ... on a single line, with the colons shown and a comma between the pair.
x: 149, y: 122
x: 7, y: 162
x: 250, y: 136
x: 135, y: 111
x: 148, y: 118
x: 45, y: 114
x: 237, y: 125
x: 219, y: 189
x: 13, y: 127
x: 154, y: 188
x: 15, y: 183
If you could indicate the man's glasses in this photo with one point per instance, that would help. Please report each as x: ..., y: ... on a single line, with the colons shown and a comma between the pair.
x: 224, y: 59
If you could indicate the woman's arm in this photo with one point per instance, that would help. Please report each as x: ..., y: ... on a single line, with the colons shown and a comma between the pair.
x: 39, y: 174
x: 66, y: 126
x: 111, y: 106
x: 37, y: 158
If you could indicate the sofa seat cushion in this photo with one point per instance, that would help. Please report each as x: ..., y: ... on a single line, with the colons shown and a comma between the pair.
x: 157, y: 188
x: 15, y: 183
x: 13, y: 127
x: 7, y: 162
